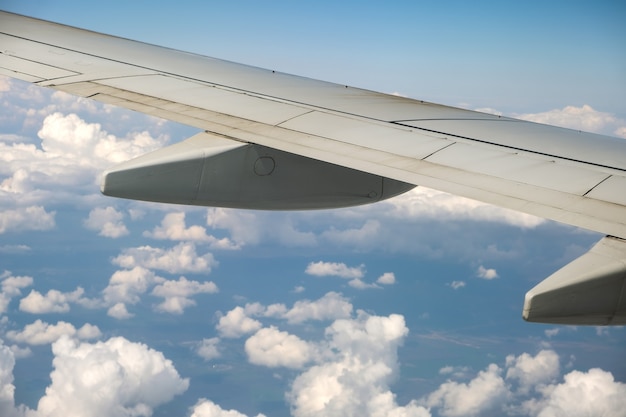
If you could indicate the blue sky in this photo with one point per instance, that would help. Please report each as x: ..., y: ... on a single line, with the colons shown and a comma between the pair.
x: 409, y: 306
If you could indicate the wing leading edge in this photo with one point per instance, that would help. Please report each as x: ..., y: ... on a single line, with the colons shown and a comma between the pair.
x: 573, y: 177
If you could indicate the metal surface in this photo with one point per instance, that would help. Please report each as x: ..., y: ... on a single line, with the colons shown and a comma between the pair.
x: 564, y: 175
x: 279, y: 141
x: 589, y: 290
x: 210, y: 170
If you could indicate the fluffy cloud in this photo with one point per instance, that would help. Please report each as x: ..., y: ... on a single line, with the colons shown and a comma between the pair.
x: 486, y: 273
x: 179, y: 259
x: 483, y: 393
x: 236, y: 324
x: 388, y: 278
x: 10, y: 287
x: 112, y: 378
x: 581, y: 394
x: 273, y: 348
x: 425, y: 203
x: 322, y: 269
x: 207, y: 349
x: 531, y: 371
x: 70, y: 137
x: 591, y: 393
x: 173, y: 227
x: 580, y: 118
x: 41, y: 333
x: 359, y: 284
x: 354, y: 379
x: 66, y: 160
x: 252, y: 228
x: 27, y: 218
x: 119, y: 311
x: 329, y: 307
x: 126, y: 286
x: 176, y: 294
x: 53, y: 302
x: 7, y: 389
x: 107, y: 222
x: 366, y: 233
x: 207, y: 408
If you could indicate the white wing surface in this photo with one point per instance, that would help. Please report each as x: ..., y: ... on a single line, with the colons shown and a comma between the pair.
x: 278, y: 141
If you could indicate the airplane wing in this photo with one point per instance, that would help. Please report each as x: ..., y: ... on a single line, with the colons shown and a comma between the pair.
x: 277, y: 141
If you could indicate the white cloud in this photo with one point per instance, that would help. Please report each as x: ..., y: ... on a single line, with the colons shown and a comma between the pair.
x: 69, y: 160
x: 366, y: 233
x: 88, y: 331
x: 251, y: 228
x: 41, y: 333
x: 388, y: 278
x: 485, y: 392
x: 119, y: 311
x: 173, y: 227
x: 361, y: 285
x: 425, y: 203
x: 243, y: 226
x: 126, y: 286
x: 273, y: 348
x: 7, y: 388
x: 53, y: 302
x: 329, y: 307
x: 486, y: 273
x: 531, y: 371
x: 528, y: 388
x: 359, y: 361
x: 11, y: 287
x: 27, y: 218
x: 207, y: 408
x: 551, y: 332
x: 455, y: 371
x: 179, y: 259
x: 107, y: 221
x: 176, y: 294
x: 322, y: 269
x: 580, y: 118
x: 207, y: 349
x: 581, y: 394
x: 236, y: 324
x: 112, y: 378
x: 455, y: 285
x: 69, y: 136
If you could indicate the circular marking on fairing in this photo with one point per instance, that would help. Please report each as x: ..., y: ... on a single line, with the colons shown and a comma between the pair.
x: 264, y: 166
x: 372, y: 194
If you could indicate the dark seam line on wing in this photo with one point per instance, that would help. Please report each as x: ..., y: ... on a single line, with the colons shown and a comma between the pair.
x: 41, y: 63
x: 438, y: 150
x: 511, y: 147
x: 595, y: 186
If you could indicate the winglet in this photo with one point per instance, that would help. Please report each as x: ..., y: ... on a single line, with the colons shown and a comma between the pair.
x: 590, y: 290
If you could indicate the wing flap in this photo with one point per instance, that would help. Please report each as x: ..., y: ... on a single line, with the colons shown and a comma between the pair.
x: 519, y: 168
x: 30, y: 71
x: 518, y: 135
